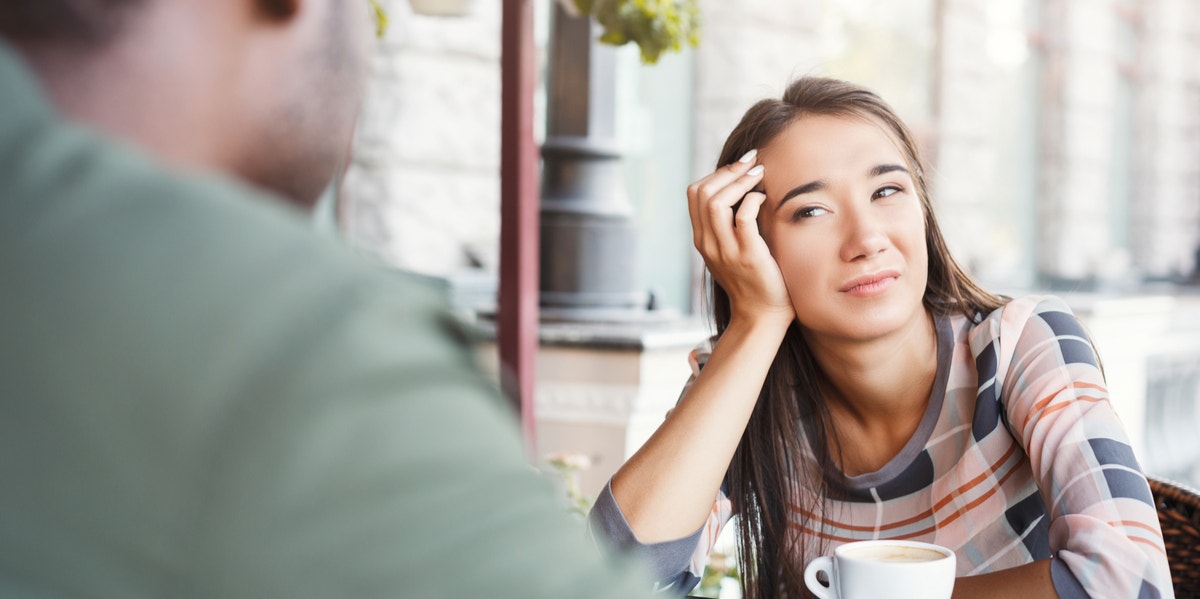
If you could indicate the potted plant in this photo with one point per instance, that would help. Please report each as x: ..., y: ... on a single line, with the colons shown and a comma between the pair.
x: 656, y: 26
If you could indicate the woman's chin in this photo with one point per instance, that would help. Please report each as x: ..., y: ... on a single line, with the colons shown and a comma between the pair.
x: 865, y: 324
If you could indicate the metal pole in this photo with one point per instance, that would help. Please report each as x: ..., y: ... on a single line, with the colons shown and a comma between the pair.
x: 517, y: 329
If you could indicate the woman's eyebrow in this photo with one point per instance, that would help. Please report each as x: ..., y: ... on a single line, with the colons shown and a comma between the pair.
x: 884, y: 169
x: 809, y: 187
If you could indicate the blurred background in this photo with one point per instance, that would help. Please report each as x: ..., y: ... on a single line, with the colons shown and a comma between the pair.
x: 1062, y: 139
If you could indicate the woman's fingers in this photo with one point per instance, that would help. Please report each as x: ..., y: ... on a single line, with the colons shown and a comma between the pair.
x: 746, y: 219
x: 714, y: 200
x: 711, y: 188
x: 722, y: 210
x: 765, y: 292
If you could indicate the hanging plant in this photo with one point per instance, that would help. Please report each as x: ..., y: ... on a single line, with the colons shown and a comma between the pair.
x: 380, y: 16
x: 656, y: 26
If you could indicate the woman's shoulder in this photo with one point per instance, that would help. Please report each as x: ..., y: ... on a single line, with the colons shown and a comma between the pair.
x: 1024, y: 307
x: 1012, y: 318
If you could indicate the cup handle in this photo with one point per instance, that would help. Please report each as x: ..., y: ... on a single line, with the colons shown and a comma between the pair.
x: 820, y: 564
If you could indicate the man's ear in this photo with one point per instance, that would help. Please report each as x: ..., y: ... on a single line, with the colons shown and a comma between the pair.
x: 279, y: 9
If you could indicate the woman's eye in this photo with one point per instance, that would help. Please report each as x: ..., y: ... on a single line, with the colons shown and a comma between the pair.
x: 809, y: 212
x: 884, y: 192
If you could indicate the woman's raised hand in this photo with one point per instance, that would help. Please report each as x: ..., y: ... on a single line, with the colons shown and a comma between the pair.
x: 731, y: 245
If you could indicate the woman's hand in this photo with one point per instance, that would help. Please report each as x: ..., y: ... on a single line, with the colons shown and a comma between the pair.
x: 731, y: 245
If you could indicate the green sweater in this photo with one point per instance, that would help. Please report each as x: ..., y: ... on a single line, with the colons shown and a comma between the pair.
x: 201, y: 398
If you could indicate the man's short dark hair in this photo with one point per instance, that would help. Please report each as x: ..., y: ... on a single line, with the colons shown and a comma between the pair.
x: 80, y: 22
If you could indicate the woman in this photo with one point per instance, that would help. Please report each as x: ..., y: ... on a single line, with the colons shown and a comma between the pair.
x: 861, y: 385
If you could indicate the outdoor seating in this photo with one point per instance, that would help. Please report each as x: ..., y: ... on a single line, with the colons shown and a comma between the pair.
x: 1179, y: 515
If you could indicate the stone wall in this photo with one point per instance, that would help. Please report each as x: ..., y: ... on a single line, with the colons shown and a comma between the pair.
x: 749, y: 51
x: 423, y: 190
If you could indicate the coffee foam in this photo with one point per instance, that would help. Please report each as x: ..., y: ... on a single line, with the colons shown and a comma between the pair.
x: 893, y: 553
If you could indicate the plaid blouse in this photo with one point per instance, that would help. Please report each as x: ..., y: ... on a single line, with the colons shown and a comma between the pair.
x: 1019, y: 457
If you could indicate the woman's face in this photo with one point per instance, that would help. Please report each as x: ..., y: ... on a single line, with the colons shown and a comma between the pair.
x: 844, y: 222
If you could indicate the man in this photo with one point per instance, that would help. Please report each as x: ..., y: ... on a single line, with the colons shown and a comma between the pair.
x: 199, y: 397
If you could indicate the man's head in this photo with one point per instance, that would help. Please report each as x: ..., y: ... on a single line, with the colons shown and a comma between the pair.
x: 84, y: 23
x: 266, y: 90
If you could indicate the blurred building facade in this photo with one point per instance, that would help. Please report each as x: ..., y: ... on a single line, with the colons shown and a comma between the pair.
x: 1062, y: 139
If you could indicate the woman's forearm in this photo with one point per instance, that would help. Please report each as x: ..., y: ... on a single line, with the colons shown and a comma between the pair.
x: 1031, y: 581
x: 666, y: 489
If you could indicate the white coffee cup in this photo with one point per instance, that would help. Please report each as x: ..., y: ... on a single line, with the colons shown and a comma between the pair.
x: 884, y: 570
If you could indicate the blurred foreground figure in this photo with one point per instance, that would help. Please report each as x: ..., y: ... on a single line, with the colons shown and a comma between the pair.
x: 199, y: 397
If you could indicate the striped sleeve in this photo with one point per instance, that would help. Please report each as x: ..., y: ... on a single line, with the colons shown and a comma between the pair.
x: 1104, y: 528
x: 678, y: 564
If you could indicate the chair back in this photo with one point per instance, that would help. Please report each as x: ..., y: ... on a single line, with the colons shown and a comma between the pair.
x: 1179, y: 515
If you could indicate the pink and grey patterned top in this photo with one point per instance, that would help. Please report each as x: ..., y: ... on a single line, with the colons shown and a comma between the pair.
x: 1005, y: 470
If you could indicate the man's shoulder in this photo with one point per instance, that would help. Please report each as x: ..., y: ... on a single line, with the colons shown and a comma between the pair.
x: 70, y: 189
x: 96, y: 233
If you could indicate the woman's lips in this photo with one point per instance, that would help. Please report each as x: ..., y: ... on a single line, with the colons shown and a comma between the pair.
x: 872, y: 284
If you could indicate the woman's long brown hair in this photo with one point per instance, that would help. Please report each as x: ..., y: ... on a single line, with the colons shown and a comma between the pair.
x: 773, y: 486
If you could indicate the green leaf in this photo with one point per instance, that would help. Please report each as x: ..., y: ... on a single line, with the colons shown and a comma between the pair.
x: 381, y: 18
x: 655, y: 26
x: 584, y: 6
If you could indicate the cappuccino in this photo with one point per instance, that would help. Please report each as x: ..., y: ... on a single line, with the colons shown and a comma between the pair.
x: 892, y: 553
x: 891, y: 569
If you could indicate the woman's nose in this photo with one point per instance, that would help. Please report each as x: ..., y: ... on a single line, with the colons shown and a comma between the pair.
x: 865, y: 234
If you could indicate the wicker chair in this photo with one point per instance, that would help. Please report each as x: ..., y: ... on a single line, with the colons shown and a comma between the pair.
x: 1179, y: 514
